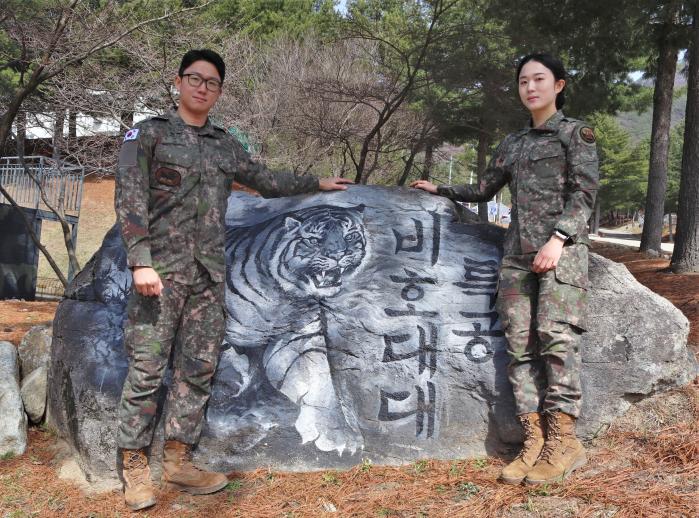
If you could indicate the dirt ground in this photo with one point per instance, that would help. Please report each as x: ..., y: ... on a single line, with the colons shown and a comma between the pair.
x: 646, y: 465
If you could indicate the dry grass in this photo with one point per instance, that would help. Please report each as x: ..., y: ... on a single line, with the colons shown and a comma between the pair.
x: 646, y: 466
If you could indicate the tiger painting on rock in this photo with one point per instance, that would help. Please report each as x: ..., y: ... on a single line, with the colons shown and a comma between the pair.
x: 280, y: 274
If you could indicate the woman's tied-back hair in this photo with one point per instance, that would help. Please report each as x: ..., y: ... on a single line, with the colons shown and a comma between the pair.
x: 203, y: 55
x: 554, y: 65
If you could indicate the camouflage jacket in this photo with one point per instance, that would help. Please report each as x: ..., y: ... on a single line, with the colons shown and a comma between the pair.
x: 552, y: 172
x: 172, y: 186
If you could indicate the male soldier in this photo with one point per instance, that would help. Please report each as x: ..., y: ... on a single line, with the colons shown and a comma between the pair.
x: 175, y: 172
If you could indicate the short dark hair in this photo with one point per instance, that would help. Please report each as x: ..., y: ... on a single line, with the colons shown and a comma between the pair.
x: 554, y: 64
x: 203, y: 55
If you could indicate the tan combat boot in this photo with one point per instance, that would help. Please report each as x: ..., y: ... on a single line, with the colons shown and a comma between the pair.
x: 179, y: 472
x: 516, y: 470
x: 562, y: 452
x: 138, y: 488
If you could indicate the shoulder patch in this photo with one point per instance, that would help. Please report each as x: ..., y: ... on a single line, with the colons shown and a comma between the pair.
x: 587, y: 134
x: 132, y: 134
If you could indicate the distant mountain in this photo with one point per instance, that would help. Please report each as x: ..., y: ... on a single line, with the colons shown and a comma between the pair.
x: 639, y: 125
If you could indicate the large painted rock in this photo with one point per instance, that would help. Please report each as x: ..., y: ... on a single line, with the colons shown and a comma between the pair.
x: 360, y: 325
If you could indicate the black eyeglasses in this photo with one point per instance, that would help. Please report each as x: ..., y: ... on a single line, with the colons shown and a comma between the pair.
x: 195, y: 80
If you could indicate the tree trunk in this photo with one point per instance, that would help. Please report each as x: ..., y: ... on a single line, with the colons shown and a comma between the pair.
x: 481, y: 164
x: 58, y: 135
x: 408, y: 166
x: 594, y: 218
x: 72, y: 131
x: 659, y: 145
x: 21, y: 122
x: 427, y: 169
x: 685, y: 257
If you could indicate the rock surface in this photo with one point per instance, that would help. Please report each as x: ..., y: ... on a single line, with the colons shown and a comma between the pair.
x: 360, y: 324
x: 13, y: 420
x: 33, y: 392
x: 34, y: 349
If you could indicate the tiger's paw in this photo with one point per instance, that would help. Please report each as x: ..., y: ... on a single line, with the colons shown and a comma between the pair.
x: 328, y: 430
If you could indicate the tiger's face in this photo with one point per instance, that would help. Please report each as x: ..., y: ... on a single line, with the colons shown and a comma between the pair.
x: 322, y: 249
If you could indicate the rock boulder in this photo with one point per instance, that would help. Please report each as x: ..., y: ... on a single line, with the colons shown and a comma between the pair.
x: 360, y: 324
x: 13, y: 420
x: 34, y: 349
x: 33, y: 392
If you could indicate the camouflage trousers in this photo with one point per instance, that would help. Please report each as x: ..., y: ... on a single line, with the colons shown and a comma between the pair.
x: 189, y: 318
x: 542, y: 319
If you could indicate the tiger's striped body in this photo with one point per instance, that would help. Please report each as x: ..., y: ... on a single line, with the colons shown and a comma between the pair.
x: 280, y: 273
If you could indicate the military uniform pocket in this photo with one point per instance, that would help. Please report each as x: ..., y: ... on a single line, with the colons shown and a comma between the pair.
x: 547, y: 163
x: 573, y: 266
x: 547, y: 150
x: 171, y: 165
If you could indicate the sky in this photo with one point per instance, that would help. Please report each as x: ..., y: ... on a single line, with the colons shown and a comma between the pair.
x: 341, y: 6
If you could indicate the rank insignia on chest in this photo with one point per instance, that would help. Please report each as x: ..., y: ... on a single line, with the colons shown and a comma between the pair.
x: 132, y: 134
x: 587, y: 134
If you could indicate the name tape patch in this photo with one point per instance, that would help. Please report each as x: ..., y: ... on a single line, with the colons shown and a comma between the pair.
x: 132, y: 134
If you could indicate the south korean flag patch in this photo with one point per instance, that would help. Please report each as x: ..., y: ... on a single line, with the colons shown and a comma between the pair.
x: 132, y: 134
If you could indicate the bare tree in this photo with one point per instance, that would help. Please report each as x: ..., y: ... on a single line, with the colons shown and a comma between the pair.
x: 402, y: 65
x: 310, y: 111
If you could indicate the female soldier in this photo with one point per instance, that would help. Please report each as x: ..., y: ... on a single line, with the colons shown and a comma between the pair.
x: 551, y: 169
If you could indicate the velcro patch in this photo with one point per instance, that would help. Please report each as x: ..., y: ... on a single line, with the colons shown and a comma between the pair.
x: 132, y: 134
x: 587, y: 134
x: 169, y: 177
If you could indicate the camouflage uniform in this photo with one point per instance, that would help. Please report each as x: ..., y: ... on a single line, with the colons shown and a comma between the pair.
x: 552, y: 172
x: 171, y: 191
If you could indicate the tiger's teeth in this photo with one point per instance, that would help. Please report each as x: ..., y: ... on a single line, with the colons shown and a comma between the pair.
x: 322, y: 275
x: 342, y: 270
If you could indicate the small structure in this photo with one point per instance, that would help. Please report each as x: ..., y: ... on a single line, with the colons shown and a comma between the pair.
x: 25, y: 181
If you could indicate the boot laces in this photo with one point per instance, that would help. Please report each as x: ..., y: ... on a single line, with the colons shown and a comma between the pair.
x: 553, y: 439
x: 529, y: 438
x: 186, y: 458
x: 137, y: 465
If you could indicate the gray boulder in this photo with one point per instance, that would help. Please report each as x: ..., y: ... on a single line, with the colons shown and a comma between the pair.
x: 13, y: 420
x: 33, y: 392
x: 360, y: 324
x: 635, y: 347
x: 35, y: 349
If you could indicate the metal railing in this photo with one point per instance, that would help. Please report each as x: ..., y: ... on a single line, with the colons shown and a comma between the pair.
x: 49, y: 288
x: 62, y: 184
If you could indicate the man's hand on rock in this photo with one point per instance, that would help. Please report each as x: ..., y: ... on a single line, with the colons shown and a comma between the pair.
x: 334, y: 184
x: 147, y: 281
x: 425, y: 186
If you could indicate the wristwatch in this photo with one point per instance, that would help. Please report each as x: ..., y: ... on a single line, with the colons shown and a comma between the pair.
x: 560, y: 235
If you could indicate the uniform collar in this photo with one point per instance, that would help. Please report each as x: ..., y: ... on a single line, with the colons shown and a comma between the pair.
x: 550, y: 126
x: 208, y: 129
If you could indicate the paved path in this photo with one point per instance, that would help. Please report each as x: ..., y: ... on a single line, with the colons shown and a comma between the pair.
x: 617, y: 237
